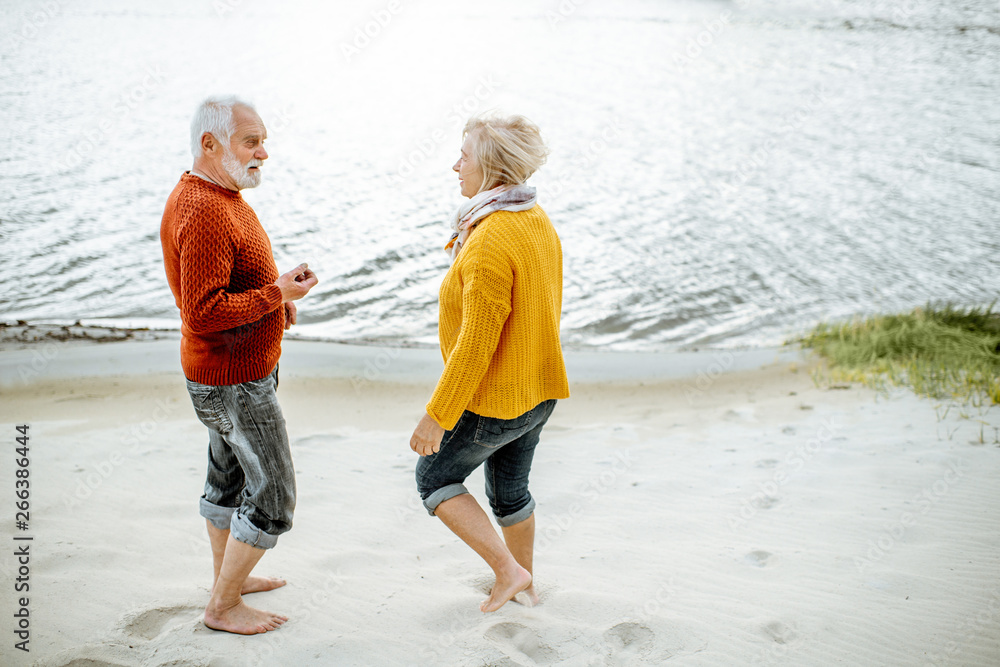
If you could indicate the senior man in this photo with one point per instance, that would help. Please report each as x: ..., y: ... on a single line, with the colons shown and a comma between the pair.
x: 234, y: 309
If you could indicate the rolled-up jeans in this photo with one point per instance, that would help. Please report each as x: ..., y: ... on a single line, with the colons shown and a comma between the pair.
x: 506, y: 446
x: 250, y: 487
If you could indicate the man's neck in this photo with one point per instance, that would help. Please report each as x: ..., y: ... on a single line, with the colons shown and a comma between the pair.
x: 194, y: 172
x: 206, y: 172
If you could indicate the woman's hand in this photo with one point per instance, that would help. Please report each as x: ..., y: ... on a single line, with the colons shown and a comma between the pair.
x: 426, y: 438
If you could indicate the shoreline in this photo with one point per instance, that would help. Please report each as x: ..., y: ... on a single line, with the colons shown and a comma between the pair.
x: 50, y: 352
x: 14, y: 332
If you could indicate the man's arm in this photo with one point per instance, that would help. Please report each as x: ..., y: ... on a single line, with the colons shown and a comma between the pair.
x: 206, y: 261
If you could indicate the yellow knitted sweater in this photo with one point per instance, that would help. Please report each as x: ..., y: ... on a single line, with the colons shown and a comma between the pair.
x: 500, y: 305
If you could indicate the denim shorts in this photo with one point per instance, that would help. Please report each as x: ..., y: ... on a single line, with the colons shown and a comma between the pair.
x: 250, y: 488
x: 505, y: 445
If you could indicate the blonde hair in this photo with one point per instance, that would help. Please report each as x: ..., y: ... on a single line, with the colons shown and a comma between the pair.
x: 509, y: 149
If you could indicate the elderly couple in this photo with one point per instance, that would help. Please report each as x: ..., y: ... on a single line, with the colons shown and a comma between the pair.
x: 500, y: 304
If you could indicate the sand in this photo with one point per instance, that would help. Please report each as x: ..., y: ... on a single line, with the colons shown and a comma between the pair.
x: 709, y: 508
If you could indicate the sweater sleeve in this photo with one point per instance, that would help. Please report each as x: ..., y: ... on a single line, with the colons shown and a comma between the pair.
x: 206, y: 259
x: 486, y: 302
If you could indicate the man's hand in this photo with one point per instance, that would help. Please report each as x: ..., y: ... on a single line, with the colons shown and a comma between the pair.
x: 291, y: 315
x: 296, y: 283
x: 426, y: 438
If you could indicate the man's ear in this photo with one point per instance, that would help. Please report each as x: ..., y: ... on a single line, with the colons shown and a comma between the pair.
x: 208, y: 143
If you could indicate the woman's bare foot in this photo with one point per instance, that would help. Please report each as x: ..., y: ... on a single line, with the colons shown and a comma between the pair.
x: 242, y: 619
x: 528, y: 597
x: 507, y: 586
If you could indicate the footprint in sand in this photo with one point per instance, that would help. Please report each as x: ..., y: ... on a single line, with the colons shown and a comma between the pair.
x: 739, y: 415
x: 151, y: 623
x: 481, y: 583
x: 758, y: 558
x: 629, y: 639
x: 779, y: 632
x: 519, y: 641
x: 93, y: 655
x: 764, y: 503
x: 89, y: 662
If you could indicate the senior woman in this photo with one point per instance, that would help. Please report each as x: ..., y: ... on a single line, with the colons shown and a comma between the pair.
x: 500, y: 304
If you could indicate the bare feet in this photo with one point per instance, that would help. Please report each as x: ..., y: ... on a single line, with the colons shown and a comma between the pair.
x: 259, y: 585
x: 241, y: 619
x: 507, y: 586
x: 528, y: 597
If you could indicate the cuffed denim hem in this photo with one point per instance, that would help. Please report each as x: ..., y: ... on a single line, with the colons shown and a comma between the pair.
x: 518, y: 516
x: 241, y: 529
x: 218, y: 516
x: 444, y: 493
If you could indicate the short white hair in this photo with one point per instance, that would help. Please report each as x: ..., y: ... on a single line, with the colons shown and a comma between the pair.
x: 215, y: 116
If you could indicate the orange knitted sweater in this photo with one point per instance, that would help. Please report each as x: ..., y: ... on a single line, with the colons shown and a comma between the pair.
x: 221, y: 271
x: 500, y: 305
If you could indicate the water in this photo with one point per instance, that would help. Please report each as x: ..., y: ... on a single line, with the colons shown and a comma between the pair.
x: 721, y: 174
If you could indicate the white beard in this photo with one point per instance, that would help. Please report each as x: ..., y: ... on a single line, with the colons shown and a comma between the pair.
x: 241, y: 172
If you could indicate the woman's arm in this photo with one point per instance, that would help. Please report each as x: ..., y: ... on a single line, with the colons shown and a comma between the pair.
x: 486, y: 304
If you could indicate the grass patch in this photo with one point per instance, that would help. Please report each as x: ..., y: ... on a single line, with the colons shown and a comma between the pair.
x: 941, y: 351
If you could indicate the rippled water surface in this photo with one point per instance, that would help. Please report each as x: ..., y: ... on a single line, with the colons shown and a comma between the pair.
x: 720, y: 173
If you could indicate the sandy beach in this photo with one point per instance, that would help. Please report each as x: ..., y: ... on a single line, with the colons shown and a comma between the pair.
x: 702, y: 508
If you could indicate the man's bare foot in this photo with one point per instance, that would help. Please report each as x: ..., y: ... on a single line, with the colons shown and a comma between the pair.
x: 242, y: 619
x: 259, y: 585
x: 506, y: 587
x: 528, y: 597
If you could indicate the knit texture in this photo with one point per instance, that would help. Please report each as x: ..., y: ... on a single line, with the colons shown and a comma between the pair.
x: 221, y: 271
x: 500, y: 305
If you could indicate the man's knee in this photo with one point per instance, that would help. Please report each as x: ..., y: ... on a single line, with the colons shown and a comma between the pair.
x: 249, y: 530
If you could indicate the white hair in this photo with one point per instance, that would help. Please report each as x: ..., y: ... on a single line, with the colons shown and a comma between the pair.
x: 215, y: 116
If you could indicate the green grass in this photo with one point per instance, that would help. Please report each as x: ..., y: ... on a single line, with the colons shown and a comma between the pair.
x: 941, y: 351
